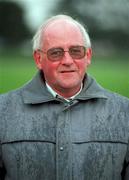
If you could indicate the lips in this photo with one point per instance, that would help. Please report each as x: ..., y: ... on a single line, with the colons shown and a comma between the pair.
x: 65, y: 71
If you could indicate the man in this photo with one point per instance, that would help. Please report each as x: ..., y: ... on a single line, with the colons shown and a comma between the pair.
x: 63, y: 125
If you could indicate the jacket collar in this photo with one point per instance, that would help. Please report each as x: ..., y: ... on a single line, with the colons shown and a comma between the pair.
x: 35, y: 91
x: 91, y: 89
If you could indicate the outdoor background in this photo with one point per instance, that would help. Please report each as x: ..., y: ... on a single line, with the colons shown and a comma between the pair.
x: 107, y: 23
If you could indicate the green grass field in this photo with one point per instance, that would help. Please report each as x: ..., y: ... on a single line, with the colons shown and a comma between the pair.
x: 111, y: 72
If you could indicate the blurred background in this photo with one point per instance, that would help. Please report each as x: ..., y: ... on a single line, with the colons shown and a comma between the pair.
x: 106, y: 21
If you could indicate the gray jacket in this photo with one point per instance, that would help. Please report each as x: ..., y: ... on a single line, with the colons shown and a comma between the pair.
x: 44, y: 138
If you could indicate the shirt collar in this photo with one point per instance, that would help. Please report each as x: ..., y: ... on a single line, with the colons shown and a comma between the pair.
x: 55, y: 94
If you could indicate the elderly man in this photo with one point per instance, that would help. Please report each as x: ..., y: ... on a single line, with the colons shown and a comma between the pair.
x: 63, y: 125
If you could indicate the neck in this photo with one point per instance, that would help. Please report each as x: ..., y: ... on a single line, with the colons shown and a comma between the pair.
x: 68, y: 93
x: 65, y: 93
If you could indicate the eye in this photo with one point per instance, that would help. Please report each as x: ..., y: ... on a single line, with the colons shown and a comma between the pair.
x: 55, y: 52
x: 75, y: 50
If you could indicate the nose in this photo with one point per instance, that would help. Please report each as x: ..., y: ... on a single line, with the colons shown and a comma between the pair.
x: 67, y: 59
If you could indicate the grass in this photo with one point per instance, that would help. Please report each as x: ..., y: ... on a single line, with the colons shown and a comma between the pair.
x: 111, y: 72
x: 15, y: 71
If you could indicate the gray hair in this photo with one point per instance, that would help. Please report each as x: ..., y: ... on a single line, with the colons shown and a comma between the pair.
x: 38, y: 37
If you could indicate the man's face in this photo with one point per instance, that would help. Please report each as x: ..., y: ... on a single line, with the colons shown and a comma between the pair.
x: 65, y: 75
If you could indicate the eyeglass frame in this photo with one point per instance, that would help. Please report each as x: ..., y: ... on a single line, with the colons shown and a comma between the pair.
x: 63, y: 52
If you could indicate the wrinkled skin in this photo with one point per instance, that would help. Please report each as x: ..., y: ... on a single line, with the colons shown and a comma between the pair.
x: 64, y: 76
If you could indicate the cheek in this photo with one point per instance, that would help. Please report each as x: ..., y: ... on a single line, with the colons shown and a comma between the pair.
x: 82, y: 66
x: 49, y: 69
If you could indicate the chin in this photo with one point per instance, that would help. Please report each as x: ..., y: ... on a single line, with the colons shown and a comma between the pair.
x: 69, y: 85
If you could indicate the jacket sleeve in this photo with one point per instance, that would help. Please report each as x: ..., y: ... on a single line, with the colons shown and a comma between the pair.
x: 125, y: 171
x: 2, y: 169
x: 126, y: 163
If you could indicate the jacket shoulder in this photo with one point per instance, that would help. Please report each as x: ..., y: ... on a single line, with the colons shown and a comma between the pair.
x: 9, y: 98
x: 117, y: 99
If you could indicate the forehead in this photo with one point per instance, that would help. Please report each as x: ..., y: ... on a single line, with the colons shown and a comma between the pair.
x: 62, y: 31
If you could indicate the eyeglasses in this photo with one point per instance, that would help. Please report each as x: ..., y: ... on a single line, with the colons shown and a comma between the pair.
x: 56, y: 54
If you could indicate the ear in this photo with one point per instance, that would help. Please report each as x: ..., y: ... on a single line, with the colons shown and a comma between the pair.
x: 38, y: 59
x: 88, y: 55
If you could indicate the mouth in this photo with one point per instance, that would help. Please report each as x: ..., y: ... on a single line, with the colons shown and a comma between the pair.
x: 70, y: 71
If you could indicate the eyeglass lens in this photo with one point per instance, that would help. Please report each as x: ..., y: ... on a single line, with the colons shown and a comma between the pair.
x: 76, y: 52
